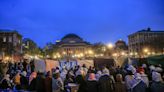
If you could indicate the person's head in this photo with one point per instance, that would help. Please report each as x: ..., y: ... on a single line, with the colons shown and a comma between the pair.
x: 24, y: 73
x: 92, y: 76
x: 56, y: 75
x: 48, y: 74
x: 119, y: 78
x: 141, y: 70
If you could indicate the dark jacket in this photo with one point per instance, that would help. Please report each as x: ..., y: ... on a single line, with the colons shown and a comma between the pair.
x: 48, y: 84
x: 24, y: 82
x: 140, y: 87
x: 32, y: 85
x: 92, y: 86
x: 157, y: 87
x: 82, y: 83
x: 40, y: 83
x: 120, y: 87
x: 106, y: 84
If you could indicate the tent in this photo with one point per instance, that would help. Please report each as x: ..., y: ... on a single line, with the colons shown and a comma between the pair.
x: 156, y: 60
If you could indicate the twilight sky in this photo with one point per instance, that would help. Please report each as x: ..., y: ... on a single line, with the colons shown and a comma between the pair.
x: 94, y: 20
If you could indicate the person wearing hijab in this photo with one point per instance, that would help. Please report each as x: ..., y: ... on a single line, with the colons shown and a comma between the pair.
x: 92, y: 83
x: 157, y: 84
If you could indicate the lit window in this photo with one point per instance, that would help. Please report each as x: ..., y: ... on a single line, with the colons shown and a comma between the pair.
x: 4, y: 39
x: 10, y: 39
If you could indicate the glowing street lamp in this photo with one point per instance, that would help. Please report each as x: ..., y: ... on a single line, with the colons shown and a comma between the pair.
x: 110, y: 45
x: 146, y: 50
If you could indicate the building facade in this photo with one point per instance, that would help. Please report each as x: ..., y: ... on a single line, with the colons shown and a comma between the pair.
x: 10, y: 43
x: 74, y: 46
x: 146, y: 42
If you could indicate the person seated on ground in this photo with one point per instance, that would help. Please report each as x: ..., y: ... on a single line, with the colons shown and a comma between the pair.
x: 157, y: 84
x: 5, y: 82
x: 92, y: 83
x: 138, y: 85
x: 120, y: 84
x: 106, y: 84
x: 57, y: 84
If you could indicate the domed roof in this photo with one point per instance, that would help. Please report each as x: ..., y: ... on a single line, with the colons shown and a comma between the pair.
x: 71, y: 36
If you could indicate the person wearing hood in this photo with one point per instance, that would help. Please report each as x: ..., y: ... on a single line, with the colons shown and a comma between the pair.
x: 157, y: 84
x: 92, y: 83
x: 138, y: 84
x: 106, y: 84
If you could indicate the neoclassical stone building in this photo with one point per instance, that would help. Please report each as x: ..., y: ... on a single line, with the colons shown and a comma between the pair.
x: 71, y: 45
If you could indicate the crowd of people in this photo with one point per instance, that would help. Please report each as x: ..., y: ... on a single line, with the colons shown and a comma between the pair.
x: 21, y: 76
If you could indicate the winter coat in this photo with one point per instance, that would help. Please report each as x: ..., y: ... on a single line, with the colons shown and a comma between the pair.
x: 120, y: 87
x: 92, y: 86
x: 106, y: 84
x: 157, y: 87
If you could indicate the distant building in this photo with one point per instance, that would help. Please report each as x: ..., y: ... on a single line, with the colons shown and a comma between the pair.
x: 10, y: 42
x: 146, y: 42
x: 121, y: 45
x: 72, y: 45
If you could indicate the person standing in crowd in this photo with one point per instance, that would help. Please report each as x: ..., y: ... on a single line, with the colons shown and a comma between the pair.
x: 40, y: 82
x: 6, y: 83
x: 106, y: 84
x: 57, y: 84
x: 24, y: 80
x: 81, y: 81
x: 129, y: 77
x: 17, y: 80
x: 48, y: 82
x: 138, y: 85
x: 120, y: 84
x: 143, y: 76
x: 32, y: 81
x: 157, y: 84
x: 92, y: 83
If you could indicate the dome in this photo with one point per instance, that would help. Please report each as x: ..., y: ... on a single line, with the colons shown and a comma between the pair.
x: 71, y: 36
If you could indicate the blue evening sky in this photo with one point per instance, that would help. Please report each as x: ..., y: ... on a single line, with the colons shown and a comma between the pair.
x: 94, y: 20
